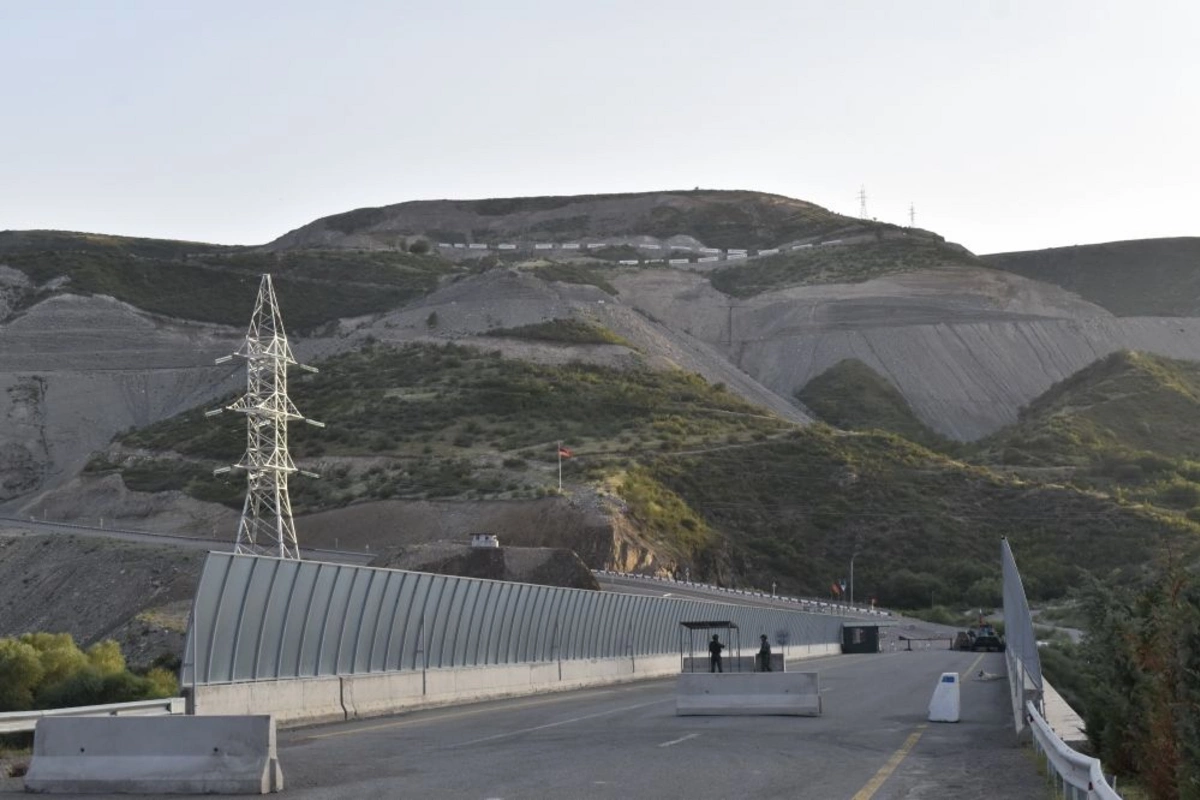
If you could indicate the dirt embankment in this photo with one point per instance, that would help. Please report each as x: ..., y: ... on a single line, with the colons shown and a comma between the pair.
x: 589, y: 524
x: 546, y: 566
x: 97, y: 589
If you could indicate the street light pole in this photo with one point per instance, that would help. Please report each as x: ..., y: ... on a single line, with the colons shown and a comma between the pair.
x: 852, y: 578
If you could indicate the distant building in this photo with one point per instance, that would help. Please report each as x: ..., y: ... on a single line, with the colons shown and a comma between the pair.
x: 484, y: 540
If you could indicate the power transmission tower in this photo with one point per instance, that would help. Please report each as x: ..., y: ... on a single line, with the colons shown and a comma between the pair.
x: 266, y: 527
x: 862, y: 202
x: 912, y: 215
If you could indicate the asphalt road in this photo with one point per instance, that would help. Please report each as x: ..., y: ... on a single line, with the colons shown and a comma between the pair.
x: 626, y: 742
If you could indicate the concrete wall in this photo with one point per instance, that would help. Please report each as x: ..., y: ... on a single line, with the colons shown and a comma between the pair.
x: 748, y: 693
x: 311, y: 701
x: 308, y: 701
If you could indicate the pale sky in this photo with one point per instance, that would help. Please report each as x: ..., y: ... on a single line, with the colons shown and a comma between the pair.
x: 1010, y: 124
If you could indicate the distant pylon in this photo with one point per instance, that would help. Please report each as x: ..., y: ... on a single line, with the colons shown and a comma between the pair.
x: 266, y: 527
x: 912, y: 215
x: 862, y: 202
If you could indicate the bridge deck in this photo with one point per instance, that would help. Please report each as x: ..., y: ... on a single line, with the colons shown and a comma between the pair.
x: 625, y: 742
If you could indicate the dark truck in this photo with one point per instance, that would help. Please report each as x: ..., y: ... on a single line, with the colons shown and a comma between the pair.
x: 985, y: 637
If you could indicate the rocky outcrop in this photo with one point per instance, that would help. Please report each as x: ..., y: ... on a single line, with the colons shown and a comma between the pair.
x: 545, y: 566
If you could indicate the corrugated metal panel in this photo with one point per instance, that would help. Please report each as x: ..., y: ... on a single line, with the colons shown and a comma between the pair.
x: 258, y: 618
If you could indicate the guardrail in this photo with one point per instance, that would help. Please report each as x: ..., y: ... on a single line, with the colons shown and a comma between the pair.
x: 810, y: 604
x: 25, y: 721
x: 348, y: 556
x: 1077, y: 776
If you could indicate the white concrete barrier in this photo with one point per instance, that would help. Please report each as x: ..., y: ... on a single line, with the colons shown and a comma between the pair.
x: 297, y: 701
x: 747, y: 693
x: 733, y: 663
x: 308, y: 701
x: 155, y: 755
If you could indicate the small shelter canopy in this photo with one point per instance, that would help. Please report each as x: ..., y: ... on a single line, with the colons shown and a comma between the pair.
x: 687, y: 643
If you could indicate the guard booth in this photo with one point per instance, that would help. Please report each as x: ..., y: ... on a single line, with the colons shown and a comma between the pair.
x: 860, y: 638
x: 729, y: 636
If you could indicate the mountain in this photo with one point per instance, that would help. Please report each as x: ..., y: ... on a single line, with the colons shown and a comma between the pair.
x: 636, y: 330
x: 720, y: 219
x: 1148, y: 277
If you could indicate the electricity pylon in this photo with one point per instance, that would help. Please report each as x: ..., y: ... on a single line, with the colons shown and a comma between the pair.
x: 266, y: 527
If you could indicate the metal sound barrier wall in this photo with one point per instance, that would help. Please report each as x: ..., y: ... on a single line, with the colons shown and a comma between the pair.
x: 1019, y: 639
x: 258, y: 618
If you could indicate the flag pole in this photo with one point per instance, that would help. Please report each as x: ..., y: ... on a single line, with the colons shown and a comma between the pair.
x: 560, y: 467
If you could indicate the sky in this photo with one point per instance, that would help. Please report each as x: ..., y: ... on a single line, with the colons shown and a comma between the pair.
x: 1006, y: 124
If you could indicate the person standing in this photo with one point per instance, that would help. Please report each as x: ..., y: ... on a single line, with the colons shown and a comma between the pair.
x: 764, y: 654
x: 714, y: 654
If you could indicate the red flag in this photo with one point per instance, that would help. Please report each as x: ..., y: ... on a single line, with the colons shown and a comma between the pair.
x: 835, y: 588
x: 564, y: 452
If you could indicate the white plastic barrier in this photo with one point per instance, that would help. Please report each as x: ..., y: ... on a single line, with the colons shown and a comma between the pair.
x: 677, y: 261
x: 771, y: 252
x: 155, y: 755
x: 748, y: 693
x: 543, y: 246
x: 477, y: 246
x: 507, y: 247
x: 628, y: 262
x: 571, y: 246
x: 945, y: 705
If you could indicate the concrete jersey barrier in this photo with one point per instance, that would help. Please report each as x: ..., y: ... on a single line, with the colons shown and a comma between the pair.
x: 753, y: 693
x: 155, y: 755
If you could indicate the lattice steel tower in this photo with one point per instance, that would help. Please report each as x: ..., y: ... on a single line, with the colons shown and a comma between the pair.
x: 266, y: 527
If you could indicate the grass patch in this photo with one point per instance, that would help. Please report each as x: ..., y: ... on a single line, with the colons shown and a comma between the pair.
x: 848, y: 263
x: 574, y: 273
x: 794, y: 509
x: 852, y: 396
x: 1126, y: 425
x: 209, y: 283
x: 563, y: 331
x: 429, y: 421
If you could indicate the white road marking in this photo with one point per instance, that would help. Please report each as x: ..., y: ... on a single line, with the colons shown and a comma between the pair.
x: 562, y: 722
x: 677, y: 741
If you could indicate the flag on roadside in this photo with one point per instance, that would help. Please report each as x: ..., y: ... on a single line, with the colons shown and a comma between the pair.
x: 835, y: 588
x: 564, y: 452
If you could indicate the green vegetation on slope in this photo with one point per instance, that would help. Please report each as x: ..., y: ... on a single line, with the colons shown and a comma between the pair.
x: 574, y: 273
x: 716, y: 218
x: 1153, y: 277
x: 842, y: 263
x: 210, y: 283
x: 1135, y: 678
x: 1127, y: 424
x: 562, y: 331
x: 925, y: 528
x: 852, y: 396
x: 45, y: 670
x: 447, y: 421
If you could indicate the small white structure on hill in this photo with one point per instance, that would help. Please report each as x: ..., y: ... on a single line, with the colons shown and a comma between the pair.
x: 484, y: 540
